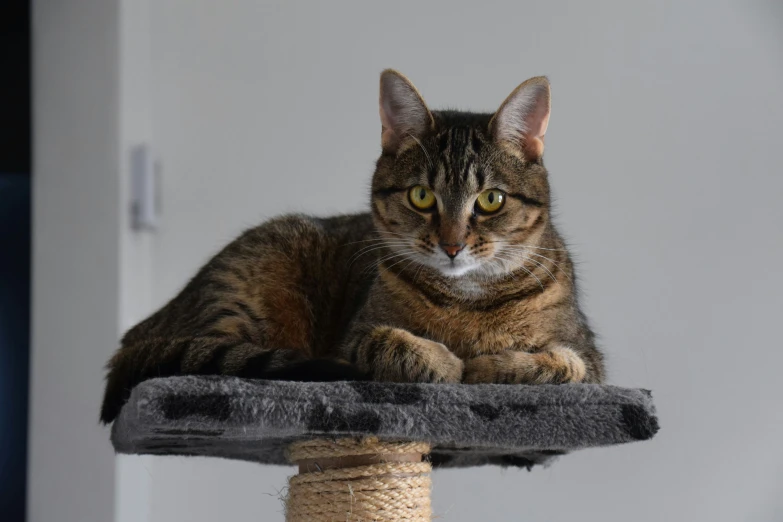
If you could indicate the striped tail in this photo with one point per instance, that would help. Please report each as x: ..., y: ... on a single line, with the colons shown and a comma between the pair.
x: 134, y: 363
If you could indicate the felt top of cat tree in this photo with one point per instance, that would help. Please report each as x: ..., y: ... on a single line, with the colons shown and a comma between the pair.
x: 467, y: 425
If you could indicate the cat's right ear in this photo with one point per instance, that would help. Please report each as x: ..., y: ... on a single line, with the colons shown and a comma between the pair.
x: 403, y: 111
x: 522, y: 120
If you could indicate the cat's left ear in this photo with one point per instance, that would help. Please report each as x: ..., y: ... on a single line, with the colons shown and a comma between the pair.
x: 403, y: 111
x: 522, y: 119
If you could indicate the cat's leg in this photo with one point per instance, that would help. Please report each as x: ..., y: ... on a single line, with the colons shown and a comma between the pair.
x: 396, y: 355
x: 555, y: 365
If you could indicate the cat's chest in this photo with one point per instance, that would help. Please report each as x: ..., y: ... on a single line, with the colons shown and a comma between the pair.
x: 469, y: 333
x: 470, y: 329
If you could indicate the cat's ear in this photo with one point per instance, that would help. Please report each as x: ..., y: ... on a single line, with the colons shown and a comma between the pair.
x: 522, y: 119
x: 403, y: 111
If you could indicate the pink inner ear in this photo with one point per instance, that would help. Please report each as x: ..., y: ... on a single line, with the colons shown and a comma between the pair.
x: 388, y: 138
x: 533, y: 148
x: 537, y: 121
x: 385, y: 111
x: 523, y: 119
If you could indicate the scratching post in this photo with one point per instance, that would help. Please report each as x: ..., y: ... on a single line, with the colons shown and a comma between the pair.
x: 359, y: 479
x: 359, y: 445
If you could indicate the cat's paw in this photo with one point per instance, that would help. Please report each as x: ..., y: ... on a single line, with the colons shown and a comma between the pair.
x: 487, y: 369
x: 559, y: 365
x: 409, y: 358
x: 441, y: 364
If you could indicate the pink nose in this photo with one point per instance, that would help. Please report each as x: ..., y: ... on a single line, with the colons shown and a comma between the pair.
x: 451, y: 249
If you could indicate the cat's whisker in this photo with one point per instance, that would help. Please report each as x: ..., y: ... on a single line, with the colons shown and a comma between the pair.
x: 357, y: 258
x: 394, y: 242
x: 378, y: 261
x: 522, y: 266
x: 381, y: 239
x: 375, y: 239
x: 553, y: 262
x: 524, y: 252
x: 397, y: 263
x: 381, y: 244
x: 413, y: 260
x: 509, y: 243
x: 408, y: 236
x: 396, y: 254
x: 384, y: 270
x: 416, y: 277
x: 393, y: 246
x: 542, y: 266
x: 373, y: 248
x: 392, y: 256
x: 533, y: 275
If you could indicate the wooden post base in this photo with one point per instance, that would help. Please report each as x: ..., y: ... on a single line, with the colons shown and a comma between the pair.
x: 359, y: 480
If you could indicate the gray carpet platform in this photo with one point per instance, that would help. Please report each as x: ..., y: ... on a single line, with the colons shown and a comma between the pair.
x: 468, y: 425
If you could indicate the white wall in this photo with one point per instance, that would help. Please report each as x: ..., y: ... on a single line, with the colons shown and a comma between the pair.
x: 75, y: 257
x: 663, y: 154
x: 92, y: 274
x: 133, y: 481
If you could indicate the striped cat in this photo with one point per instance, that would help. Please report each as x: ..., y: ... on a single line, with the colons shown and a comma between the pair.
x: 456, y: 275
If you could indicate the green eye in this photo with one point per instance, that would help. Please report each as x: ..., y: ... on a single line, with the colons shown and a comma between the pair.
x: 421, y: 197
x: 491, y: 201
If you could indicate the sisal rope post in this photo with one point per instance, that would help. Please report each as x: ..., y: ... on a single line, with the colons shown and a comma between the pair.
x: 359, y: 480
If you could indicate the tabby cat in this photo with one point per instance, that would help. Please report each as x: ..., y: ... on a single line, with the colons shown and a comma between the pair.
x: 456, y: 275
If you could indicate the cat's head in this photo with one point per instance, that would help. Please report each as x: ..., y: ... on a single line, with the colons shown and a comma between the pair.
x: 462, y: 193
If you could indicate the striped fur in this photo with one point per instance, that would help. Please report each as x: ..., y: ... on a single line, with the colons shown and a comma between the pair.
x: 374, y: 296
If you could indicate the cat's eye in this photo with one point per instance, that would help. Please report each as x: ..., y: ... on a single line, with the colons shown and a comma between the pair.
x: 421, y: 197
x: 491, y: 201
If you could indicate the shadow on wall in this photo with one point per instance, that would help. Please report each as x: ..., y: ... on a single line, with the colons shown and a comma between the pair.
x: 15, y: 195
x: 14, y: 342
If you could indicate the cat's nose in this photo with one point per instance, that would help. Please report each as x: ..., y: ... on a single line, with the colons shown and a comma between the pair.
x: 452, y: 249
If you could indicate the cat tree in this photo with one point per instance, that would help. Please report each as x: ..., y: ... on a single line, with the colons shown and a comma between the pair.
x: 359, y: 446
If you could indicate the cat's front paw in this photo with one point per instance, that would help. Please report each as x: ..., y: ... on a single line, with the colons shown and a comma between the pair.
x: 487, y: 369
x: 442, y: 365
x: 408, y: 358
x: 559, y: 365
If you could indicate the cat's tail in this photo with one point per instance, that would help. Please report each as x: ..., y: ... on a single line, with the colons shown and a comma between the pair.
x: 135, y: 363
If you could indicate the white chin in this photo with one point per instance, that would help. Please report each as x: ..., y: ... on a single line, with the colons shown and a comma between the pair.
x: 452, y: 270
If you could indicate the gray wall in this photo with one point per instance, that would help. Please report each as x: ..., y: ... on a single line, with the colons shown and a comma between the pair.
x: 76, y: 257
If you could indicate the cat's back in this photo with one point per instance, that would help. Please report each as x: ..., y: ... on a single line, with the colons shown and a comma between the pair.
x: 302, y: 274
x: 324, y: 265
x: 319, y: 239
x: 347, y: 227
x: 315, y: 253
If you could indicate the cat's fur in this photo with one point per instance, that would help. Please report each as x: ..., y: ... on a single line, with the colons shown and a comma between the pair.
x: 378, y: 295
